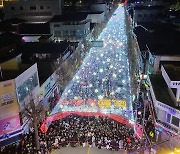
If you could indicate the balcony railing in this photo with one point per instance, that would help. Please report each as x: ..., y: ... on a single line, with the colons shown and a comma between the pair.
x: 168, y: 127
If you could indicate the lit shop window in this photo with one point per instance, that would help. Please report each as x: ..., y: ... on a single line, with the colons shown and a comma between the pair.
x: 27, y: 86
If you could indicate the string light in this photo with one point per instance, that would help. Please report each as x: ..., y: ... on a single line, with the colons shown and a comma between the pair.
x: 104, y: 73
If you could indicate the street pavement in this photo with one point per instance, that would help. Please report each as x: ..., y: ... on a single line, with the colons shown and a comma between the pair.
x: 85, y: 150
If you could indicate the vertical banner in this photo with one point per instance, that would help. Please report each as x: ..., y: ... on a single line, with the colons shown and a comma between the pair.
x: 9, y: 110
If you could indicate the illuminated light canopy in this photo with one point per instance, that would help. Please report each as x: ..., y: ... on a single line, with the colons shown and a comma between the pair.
x: 104, y: 73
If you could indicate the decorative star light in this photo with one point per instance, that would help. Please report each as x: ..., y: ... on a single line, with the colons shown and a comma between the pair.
x: 100, y: 97
x: 96, y: 90
x: 101, y: 70
x: 114, y: 75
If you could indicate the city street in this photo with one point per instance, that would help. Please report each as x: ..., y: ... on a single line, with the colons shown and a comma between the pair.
x: 104, y: 75
x: 85, y: 150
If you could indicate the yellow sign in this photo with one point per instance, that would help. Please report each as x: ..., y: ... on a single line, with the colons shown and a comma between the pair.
x: 177, y: 150
x: 119, y: 103
x: 106, y: 103
x: 8, y: 100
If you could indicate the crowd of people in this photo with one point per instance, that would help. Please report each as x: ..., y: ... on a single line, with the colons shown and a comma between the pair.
x: 74, y: 130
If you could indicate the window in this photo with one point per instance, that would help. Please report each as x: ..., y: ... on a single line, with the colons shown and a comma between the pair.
x: 57, y: 33
x: 41, y: 7
x: 175, y: 121
x: 57, y: 25
x: 72, y: 33
x: 27, y: 86
x: 32, y: 7
x: 139, y: 15
x: 168, y: 118
x: 12, y: 8
x: 48, y: 7
x: 65, y: 33
x: 20, y: 8
x: 80, y: 32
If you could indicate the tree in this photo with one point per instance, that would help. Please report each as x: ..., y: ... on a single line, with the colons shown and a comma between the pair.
x: 34, y: 114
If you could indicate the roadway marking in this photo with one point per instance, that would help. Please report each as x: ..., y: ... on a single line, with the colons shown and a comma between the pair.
x: 88, y: 151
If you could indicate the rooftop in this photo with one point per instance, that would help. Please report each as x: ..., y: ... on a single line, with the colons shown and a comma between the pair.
x: 157, y: 26
x: 14, y: 21
x: 161, y: 39
x: 7, y: 25
x: 173, y: 71
x: 99, y: 12
x: 161, y: 90
x: 70, y: 17
x: 44, y: 71
x: 34, y: 28
x: 8, y: 41
x: 45, y: 37
x: 143, y: 7
x: 165, y: 49
x: 36, y: 47
x: 9, y: 38
x: 12, y: 74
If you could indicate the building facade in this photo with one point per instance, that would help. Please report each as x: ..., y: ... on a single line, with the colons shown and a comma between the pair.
x: 70, y: 28
x: 16, y: 91
x: 164, y: 96
x: 33, y: 11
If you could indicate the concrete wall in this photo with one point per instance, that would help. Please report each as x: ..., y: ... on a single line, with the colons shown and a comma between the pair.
x: 58, y: 31
x: 99, y: 8
x: 162, y: 109
x: 96, y: 18
x: 165, y: 76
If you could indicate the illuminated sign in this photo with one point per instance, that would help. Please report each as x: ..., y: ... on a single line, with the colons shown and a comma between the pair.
x: 108, y: 103
x: 9, y: 109
x: 177, y: 150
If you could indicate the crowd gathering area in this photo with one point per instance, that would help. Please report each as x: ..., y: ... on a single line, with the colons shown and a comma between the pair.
x: 74, y: 130
x: 103, y: 76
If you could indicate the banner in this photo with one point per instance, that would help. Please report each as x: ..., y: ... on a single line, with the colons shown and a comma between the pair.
x: 107, y: 103
x: 9, y: 125
x: 9, y: 109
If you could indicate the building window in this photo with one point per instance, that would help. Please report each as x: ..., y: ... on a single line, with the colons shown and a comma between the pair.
x: 57, y: 25
x: 12, y: 8
x: 41, y: 7
x: 65, y: 33
x: 175, y: 121
x: 27, y: 87
x: 80, y: 32
x: 168, y: 118
x: 48, y: 7
x: 32, y: 7
x: 20, y: 8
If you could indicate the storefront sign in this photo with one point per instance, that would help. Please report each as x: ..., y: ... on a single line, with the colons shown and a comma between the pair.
x: 9, y: 109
